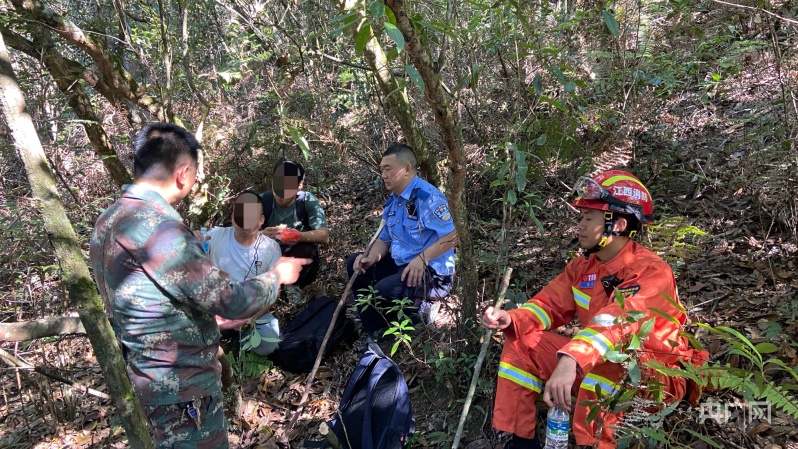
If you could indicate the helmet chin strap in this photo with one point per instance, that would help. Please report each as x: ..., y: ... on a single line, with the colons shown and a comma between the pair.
x: 609, y: 230
x: 609, y: 225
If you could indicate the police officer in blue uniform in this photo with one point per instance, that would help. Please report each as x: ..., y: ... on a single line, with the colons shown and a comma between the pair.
x: 413, y: 257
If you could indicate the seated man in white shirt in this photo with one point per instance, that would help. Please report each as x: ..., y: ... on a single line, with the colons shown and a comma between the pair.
x: 243, y: 252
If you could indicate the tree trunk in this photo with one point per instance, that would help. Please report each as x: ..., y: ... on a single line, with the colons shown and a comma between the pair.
x: 75, y: 273
x: 399, y: 105
x: 67, y: 74
x: 453, y: 139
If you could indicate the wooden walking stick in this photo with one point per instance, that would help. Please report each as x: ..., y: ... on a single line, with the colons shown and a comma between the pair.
x: 478, y: 366
x: 338, y: 309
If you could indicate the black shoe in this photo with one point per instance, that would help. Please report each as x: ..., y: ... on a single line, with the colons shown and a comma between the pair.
x: 517, y: 442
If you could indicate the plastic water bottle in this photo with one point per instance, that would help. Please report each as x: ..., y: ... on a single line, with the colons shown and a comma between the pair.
x: 558, y: 426
x: 206, y: 245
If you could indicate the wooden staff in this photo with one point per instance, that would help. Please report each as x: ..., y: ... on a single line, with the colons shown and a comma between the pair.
x: 338, y: 309
x: 478, y: 366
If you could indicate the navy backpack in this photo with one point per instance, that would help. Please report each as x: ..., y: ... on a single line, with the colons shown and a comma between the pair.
x: 375, y: 411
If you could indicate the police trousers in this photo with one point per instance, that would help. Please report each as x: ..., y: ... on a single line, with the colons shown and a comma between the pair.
x: 527, y: 362
x: 386, y: 279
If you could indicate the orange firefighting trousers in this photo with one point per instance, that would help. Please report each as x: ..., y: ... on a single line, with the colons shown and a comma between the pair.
x: 526, y: 363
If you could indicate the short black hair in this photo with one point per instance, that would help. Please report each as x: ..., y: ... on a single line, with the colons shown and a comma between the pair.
x: 632, y: 223
x: 258, y: 199
x: 290, y: 168
x: 159, y: 147
x: 403, y: 153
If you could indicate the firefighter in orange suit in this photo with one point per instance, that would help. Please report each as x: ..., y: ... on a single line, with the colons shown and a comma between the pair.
x: 613, y: 206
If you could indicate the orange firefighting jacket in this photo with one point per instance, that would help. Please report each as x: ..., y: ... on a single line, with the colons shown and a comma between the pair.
x: 645, y: 281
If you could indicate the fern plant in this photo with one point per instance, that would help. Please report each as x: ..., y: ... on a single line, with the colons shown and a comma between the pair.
x: 752, y: 384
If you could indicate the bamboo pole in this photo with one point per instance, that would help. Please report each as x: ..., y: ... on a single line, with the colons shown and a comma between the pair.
x: 478, y: 366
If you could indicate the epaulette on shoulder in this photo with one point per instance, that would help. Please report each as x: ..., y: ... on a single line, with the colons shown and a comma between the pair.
x: 421, y: 194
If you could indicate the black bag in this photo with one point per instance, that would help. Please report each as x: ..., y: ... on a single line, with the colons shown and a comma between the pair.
x: 375, y: 411
x: 301, y: 339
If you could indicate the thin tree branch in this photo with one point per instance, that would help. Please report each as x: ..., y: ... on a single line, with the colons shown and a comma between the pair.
x: 17, y: 363
x: 115, y: 75
x: 337, y: 60
x: 486, y: 339
x: 753, y: 8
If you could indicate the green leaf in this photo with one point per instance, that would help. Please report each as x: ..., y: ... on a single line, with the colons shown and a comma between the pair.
x: 377, y: 9
x: 570, y: 86
x: 634, y: 373
x: 541, y: 140
x: 619, y: 298
x: 611, y: 23
x: 392, y: 54
x: 255, y: 339
x: 474, y: 77
x: 363, y: 36
x: 703, y: 438
x: 522, y: 167
x: 674, y: 303
x: 395, y: 347
x: 553, y: 102
x: 655, y: 434
x: 693, y: 342
x: 766, y: 348
x: 634, y: 344
x: 535, y: 219
x: 344, y: 21
x: 395, y: 36
x: 511, y: 198
x: 415, y: 77
x: 299, y: 139
x: 537, y: 83
x: 558, y: 74
x: 594, y: 411
x: 633, y: 316
x: 627, y: 395
x: 615, y: 357
x: 665, y: 315
x: 646, y: 328
x: 390, y: 16
x: 343, y: 18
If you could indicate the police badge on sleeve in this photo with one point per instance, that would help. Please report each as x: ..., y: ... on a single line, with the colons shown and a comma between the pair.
x: 442, y: 212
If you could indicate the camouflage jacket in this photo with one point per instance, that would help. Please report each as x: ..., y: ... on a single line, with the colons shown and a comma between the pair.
x: 162, y: 290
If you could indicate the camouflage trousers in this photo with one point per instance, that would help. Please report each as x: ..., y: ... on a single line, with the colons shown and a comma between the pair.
x: 174, y: 428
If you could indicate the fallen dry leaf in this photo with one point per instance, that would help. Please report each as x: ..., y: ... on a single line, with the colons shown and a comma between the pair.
x: 759, y: 428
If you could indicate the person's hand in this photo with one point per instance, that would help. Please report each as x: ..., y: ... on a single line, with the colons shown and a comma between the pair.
x: 366, y: 263
x: 496, y: 319
x: 198, y: 235
x: 225, y: 324
x: 272, y: 232
x: 289, y: 236
x: 288, y: 268
x: 413, y: 273
x: 557, y: 392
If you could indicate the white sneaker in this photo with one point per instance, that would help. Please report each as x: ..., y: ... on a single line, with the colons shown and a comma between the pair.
x: 429, y: 311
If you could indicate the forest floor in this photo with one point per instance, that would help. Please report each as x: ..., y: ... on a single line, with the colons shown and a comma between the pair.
x: 727, y: 229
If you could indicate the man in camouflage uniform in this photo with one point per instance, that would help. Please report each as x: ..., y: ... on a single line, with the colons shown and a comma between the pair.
x: 162, y: 292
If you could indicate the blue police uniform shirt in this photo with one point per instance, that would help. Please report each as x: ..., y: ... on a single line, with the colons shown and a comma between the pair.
x: 414, y: 224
